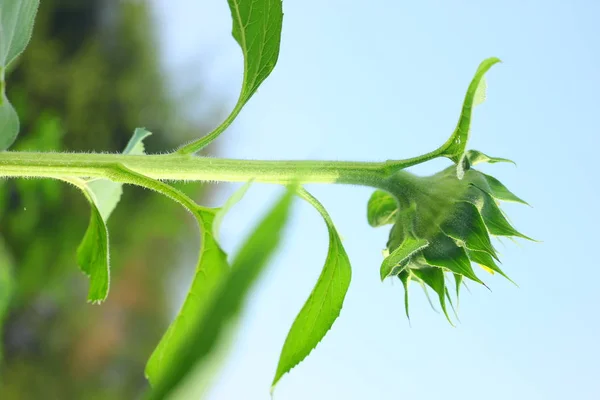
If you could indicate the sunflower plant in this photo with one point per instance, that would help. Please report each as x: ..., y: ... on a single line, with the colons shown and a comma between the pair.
x: 441, y: 225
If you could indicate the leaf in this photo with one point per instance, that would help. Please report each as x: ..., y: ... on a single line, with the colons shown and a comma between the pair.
x: 16, y: 25
x: 228, y: 299
x: 212, y: 268
x: 443, y: 252
x: 324, y: 303
x: 231, y: 201
x: 454, y: 148
x: 409, y: 246
x: 484, y: 259
x: 466, y: 225
x: 92, y: 254
x: 404, y: 277
x: 257, y: 29
x: 9, y: 121
x: 381, y: 209
x: 106, y: 193
x: 434, y: 278
x: 476, y: 157
x: 495, y: 220
x: 499, y: 191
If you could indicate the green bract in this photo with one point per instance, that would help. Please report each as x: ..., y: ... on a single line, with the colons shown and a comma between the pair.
x: 442, y: 224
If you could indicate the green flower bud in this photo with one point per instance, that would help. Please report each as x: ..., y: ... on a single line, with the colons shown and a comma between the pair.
x: 441, y: 224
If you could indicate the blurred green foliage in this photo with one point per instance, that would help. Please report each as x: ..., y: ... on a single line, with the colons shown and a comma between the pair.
x: 89, y: 76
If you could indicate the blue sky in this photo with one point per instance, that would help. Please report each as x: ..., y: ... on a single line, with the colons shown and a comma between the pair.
x: 382, y: 80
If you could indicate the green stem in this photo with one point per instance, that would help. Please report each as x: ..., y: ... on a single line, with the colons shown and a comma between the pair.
x: 191, y: 168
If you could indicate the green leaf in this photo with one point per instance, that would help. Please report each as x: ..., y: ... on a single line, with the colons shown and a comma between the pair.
x: 231, y: 201
x: 404, y: 277
x: 466, y: 225
x: 381, y: 209
x: 484, y: 259
x: 106, y: 193
x: 458, y: 279
x: 228, y: 299
x: 212, y: 268
x: 92, y: 254
x: 476, y: 157
x: 16, y: 25
x: 443, y: 252
x: 257, y: 29
x: 454, y: 148
x: 434, y: 278
x: 409, y: 246
x: 494, y: 218
x: 9, y: 121
x: 103, y: 196
x: 324, y: 303
x: 499, y: 191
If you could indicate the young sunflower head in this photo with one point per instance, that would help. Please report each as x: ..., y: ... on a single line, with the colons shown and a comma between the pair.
x: 441, y: 224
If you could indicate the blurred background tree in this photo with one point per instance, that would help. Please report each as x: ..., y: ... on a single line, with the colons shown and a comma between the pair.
x: 90, y: 75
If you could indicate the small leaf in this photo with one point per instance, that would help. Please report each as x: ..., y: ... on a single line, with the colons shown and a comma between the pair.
x: 434, y: 278
x: 493, y: 187
x: 443, y: 252
x: 409, y: 246
x: 476, y: 157
x: 324, y: 303
x: 106, y: 193
x: 381, y: 209
x: 231, y: 201
x: 465, y: 224
x: 404, y: 277
x: 228, y: 299
x: 454, y: 147
x: 92, y: 254
x: 484, y: 259
x: 495, y: 220
x: 212, y: 268
x: 458, y: 279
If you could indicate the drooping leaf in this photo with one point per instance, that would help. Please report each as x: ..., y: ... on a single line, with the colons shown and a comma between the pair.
x: 324, y: 303
x: 454, y: 148
x: 465, y: 224
x: 404, y: 277
x: 212, y: 268
x: 93, y: 253
x: 381, y: 209
x: 106, y: 193
x: 458, y: 279
x: 476, y: 157
x: 409, y: 246
x: 16, y: 25
x: 434, y: 278
x: 228, y: 299
x: 257, y: 29
x: 224, y: 209
x: 443, y: 252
